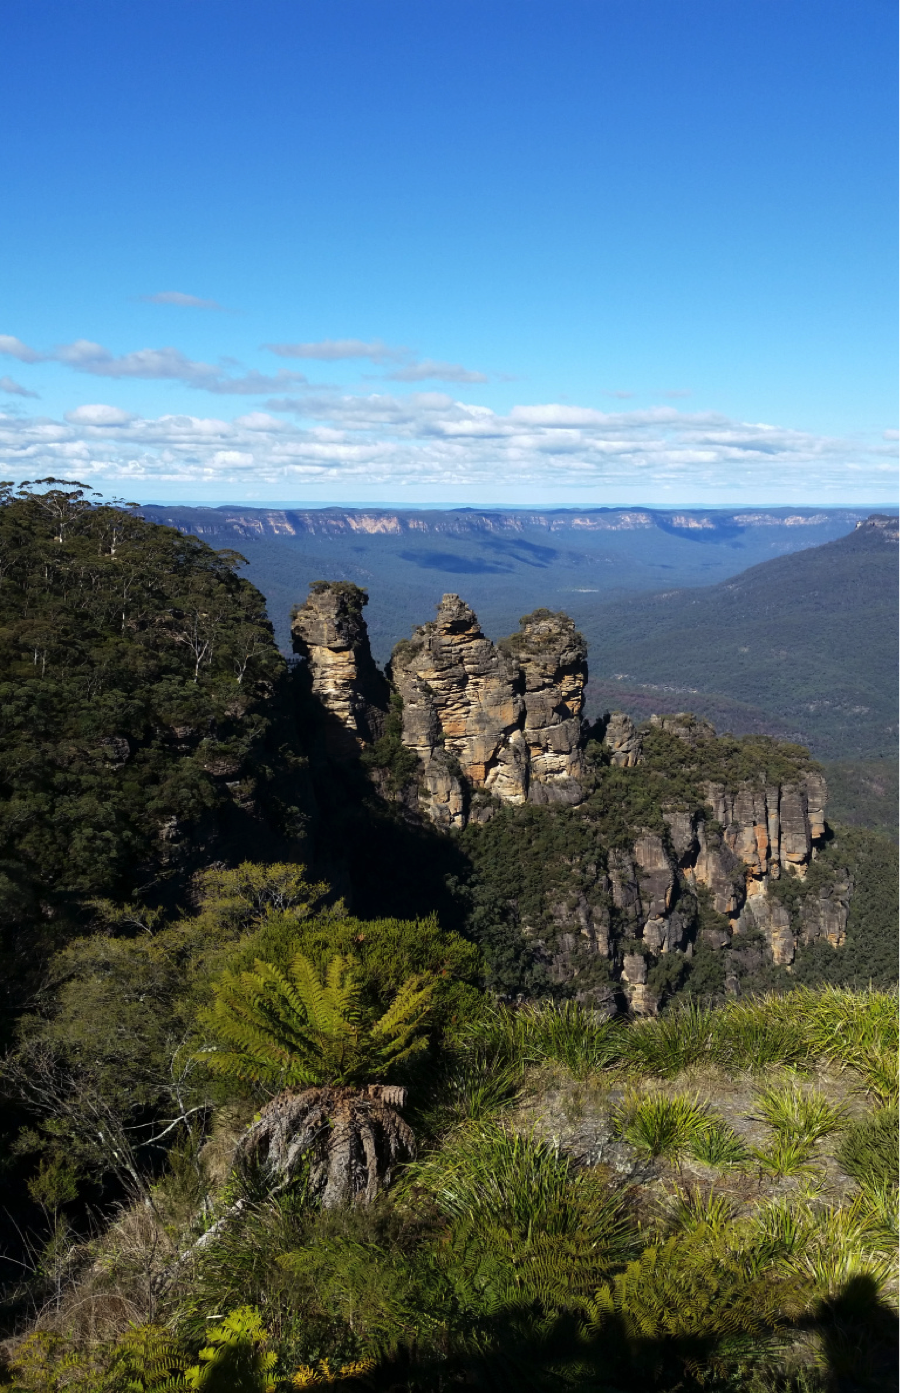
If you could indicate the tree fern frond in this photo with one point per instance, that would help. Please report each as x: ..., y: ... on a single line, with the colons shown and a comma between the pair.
x: 343, y: 988
x: 407, y: 1011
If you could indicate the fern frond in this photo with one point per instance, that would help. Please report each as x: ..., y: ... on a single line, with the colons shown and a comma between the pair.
x: 408, y: 1009
x: 321, y: 1001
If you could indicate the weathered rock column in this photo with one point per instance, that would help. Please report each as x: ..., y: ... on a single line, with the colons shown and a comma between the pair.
x: 462, y: 712
x: 623, y: 741
x: 552, y: 657
x: 330, y: 634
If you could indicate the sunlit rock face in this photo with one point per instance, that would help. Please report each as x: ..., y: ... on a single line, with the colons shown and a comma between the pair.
x: 331, y: 638
x: 622, y: 741
x: 506, y: 717
x: 552, y: 659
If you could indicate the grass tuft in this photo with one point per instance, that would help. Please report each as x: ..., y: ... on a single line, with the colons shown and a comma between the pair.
x: 658, y: 1125
x: 692, y: 1210
x: 868, y: 1149
x: 664, y: 1046
x: 718, y: 1145
x: 795, y: 1112
x: 758, y: 1034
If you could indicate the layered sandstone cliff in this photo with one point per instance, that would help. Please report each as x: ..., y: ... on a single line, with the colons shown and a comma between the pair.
x: 331, y: 638
x: 505, y: 720
x: 501, y: 724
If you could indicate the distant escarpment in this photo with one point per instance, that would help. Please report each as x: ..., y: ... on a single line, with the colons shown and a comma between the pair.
x: 614, y: 854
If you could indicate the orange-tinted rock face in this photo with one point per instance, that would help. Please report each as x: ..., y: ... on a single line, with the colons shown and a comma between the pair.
x: 330, y: 635
x: 508, y: 717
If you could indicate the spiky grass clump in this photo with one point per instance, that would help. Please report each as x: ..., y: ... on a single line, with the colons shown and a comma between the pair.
x: 840, y: 1244
x: 661, y: 1126
x: 857, y: 1029
x: 692, y: 1210
x: 565, y: 1032
x: 525, y: 1223
x: 785, y: 1156
x: 664, y: 1046
x: 719, y: 1146
x: 496, y: 1030
x: 758, y: 1034
x: 868, y: 1149
x: 571, y: 1035
x: 474, y: 1085
x: 797, y: 1112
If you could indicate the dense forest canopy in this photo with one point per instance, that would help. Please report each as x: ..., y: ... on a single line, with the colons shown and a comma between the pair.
x: 137, y: 672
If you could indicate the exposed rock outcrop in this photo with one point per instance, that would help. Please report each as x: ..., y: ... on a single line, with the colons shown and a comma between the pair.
x: 685, y: 725
x: 330, y: 635
x: 504, y: 719
x: 552, y: 659
x: 501, y: 723
x: 622, y: 741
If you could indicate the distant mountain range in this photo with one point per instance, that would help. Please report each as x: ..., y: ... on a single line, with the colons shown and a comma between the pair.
x: 772, y: 620
x: 504, y: 562
x: 804, y: 646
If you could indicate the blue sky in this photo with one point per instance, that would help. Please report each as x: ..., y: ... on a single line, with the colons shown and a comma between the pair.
x: 468, y: 251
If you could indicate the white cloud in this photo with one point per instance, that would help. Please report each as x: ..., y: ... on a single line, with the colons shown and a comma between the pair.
x: 414, y: 369
x: 162, y: 364
x: 382, y: 442
x: 15, y: 388
x: 429, y: 368
x: 177, y: 297
x: 98, y: 414
x: 332, y: 350
x: 14, y: 348
x: 259, y: 421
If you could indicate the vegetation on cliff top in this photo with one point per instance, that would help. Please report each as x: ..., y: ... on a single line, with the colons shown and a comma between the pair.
x: 138, y: 678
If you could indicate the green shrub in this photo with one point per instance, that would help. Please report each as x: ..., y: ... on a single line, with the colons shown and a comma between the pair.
x: 666, y: 1045
x: 868, y: 1149
x: 659, y: 1125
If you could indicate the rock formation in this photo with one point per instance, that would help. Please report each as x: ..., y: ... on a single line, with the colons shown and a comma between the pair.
x: 622, y: 741
x: 330, y: 636
x: 502, y: 724
x: 505, y: 720
x: 685, y: 725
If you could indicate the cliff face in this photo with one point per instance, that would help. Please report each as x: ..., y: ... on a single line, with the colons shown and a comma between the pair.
x: 249, y: 523
x: 495, y: 725
x: 642, y: 909
x: 330, y: 634
x: 507, y: 719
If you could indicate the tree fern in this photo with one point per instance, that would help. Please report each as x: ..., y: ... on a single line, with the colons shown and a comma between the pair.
x: 292, y: 1031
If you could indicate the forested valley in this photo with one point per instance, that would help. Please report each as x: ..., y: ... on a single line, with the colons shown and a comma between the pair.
x: 304, y: 1089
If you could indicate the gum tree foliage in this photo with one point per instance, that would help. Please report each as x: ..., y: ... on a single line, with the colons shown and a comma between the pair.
x: 135, y: 666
